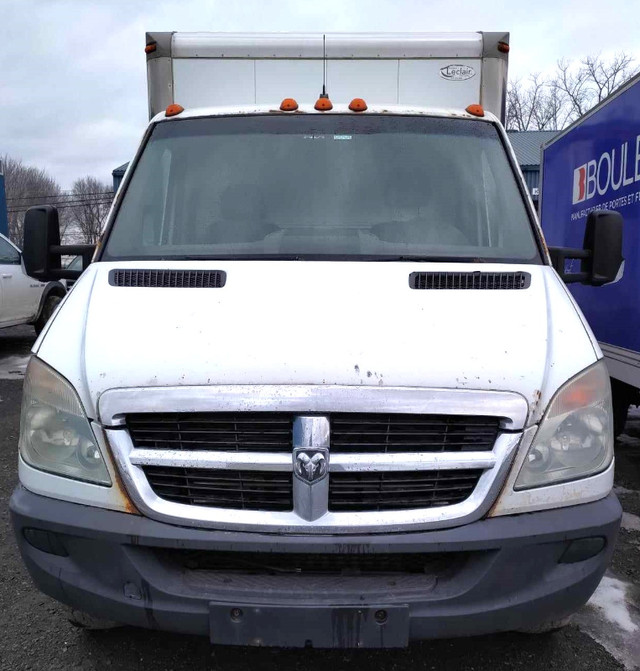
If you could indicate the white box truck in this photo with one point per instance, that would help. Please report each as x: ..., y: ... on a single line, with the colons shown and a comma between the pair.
x: 321, y: 385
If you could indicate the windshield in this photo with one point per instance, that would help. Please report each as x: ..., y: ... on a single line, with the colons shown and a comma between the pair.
x: 313, y: 187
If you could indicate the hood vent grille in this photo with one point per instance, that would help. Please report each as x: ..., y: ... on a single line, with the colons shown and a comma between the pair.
x: 475, y: 280
x: 183, y: 279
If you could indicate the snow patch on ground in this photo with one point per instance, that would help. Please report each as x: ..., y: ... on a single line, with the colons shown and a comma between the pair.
x: 612, y: 619
x: 623, y: 490
x: 13, y: 367
x: 630, y: 522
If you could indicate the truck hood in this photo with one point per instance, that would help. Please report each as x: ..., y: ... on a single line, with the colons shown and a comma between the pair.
x: 321, y: 323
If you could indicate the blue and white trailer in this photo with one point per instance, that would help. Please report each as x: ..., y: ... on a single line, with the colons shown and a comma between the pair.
x: 592, y: 165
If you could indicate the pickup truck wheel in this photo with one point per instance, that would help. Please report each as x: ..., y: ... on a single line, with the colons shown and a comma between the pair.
x: 85, y: 621
x: 48, y: 309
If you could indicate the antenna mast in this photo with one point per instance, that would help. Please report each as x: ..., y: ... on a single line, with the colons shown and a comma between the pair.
x: 324, y: 67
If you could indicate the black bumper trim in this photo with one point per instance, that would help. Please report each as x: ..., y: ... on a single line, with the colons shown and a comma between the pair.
x: 114, y: 571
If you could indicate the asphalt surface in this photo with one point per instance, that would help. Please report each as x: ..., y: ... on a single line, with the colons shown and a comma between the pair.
x: 35, y: 634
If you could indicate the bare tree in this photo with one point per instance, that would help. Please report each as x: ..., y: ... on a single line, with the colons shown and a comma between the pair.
x: 89, y: 205
x: 553, y: 102
x: 585, y: 84
x: 535, y: 105
x: 26, y: 186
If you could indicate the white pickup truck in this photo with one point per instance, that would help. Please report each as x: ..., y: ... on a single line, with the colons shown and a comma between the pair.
x: 23, y: 299
x: 321, y: 385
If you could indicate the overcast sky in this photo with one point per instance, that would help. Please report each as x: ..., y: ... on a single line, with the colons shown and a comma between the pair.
x: 72, y: 73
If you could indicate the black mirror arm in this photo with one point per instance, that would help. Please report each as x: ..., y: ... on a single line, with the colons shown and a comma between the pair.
x: 86, y: 251
x: 559, y: 255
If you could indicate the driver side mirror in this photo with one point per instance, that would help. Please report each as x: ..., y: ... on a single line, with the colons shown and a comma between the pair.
x: 42, y: 251
x: 601, y: 255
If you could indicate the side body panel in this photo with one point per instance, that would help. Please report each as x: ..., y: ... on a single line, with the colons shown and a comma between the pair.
x: 595, y: 164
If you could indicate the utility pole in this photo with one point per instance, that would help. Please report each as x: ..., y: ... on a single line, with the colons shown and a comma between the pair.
x: 4, y: 221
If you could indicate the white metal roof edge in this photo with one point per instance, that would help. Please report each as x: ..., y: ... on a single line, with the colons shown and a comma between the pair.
x: 338, y: 45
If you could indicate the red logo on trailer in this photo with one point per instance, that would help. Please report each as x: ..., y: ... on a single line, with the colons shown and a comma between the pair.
x: 580, y: 184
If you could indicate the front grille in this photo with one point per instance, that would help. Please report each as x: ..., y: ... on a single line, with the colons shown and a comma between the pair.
x: 382, y: 433
x: 174, y: 279
x: 379, y: 491
x: 241, y: 484
x: 224, y: 431
x: 473, y: 280
x: 222, y: 488
x: 268, y: 563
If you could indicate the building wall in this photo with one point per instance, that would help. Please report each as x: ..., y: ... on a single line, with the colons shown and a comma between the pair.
x: 532, y: 178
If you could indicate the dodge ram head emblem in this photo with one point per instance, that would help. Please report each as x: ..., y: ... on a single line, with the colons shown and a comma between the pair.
x: 310, y: 464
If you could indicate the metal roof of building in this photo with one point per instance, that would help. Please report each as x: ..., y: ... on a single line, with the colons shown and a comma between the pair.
x: 120, y: 170
x: 528, y: 144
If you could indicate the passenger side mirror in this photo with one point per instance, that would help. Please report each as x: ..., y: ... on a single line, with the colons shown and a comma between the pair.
x: 601, y: 256
x: 42, y: 250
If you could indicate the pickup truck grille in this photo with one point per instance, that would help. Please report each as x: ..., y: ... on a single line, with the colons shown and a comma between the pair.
x: 350, y: 432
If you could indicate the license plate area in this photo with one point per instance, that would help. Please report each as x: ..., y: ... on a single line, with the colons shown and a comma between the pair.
x: 310, y: 626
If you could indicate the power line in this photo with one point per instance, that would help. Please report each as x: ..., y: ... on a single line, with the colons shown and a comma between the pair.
x: 62, y: 206
x: 75, y: 199
x: 63, y: 195
x: 78, y: 200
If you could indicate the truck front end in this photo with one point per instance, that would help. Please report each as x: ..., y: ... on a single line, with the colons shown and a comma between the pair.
x: 320, y: 387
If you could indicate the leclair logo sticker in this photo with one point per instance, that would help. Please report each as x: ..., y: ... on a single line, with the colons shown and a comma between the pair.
x: 457, y: 73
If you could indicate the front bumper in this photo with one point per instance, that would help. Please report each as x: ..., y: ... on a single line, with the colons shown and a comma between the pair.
x: 505, y: 573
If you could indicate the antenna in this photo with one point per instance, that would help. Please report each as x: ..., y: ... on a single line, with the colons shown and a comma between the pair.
x: 324, y: 67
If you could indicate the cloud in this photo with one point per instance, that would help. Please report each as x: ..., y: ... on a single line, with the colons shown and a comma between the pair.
x: 73, y: 81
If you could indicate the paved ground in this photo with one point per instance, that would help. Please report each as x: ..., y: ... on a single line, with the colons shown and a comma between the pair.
x: 35, y: 635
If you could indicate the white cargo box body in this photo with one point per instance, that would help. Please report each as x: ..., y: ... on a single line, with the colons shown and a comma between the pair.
x: 442, y: 70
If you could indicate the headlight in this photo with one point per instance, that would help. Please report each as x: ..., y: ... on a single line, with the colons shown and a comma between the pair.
x: 55, y: 434
x: 575, y: 438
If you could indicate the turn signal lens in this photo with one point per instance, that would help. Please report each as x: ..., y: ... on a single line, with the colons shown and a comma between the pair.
x: 323, y: 104
x: 150, y: 47
x: 357, y: 105
x: 174, y: 109
x: 288, y: 105
x: 476, y: 110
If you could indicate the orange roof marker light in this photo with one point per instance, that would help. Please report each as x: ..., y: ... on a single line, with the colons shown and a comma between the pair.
x: 503, y: 47
x: 150, y: 47
x: 357, y: 105
x: 173, y: 110
x: 323, y: 104
x: 288, y: 105
x: 476, y: 110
